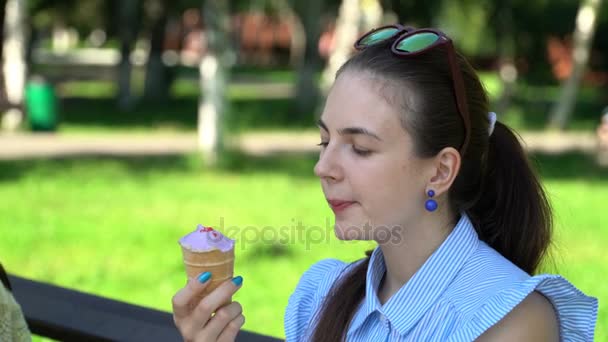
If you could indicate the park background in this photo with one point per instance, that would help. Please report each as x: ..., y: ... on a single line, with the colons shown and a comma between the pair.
x: 126, y: 123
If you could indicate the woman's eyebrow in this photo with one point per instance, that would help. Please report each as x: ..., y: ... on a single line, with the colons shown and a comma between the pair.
x: 350, y: 130
x: 358, y: 130
x: 322, y: 124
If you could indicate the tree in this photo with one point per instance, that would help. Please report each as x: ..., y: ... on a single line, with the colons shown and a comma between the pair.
x: 296, y: 28
x: 414, y: 12
x: 347, y: 30
x: 158, y: 75
x: 505, y: 40
x: 213, y: 70
x: 2, y: 85
x: 586, y: 21
x: 307, y: 91
x: 128, y: 28
x: 355, y: 16
x: 14, y: 66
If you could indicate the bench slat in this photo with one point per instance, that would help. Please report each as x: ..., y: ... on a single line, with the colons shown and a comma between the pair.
x: 69, y: 315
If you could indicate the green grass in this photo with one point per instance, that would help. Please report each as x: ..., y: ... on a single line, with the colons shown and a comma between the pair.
x: 109, y: 226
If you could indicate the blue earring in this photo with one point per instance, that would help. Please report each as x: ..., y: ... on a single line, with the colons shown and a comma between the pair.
x: 431, y: 204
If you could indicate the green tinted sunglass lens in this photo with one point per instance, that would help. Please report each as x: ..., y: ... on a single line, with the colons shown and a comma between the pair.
x: 417, y: 42
x: 379, y: 36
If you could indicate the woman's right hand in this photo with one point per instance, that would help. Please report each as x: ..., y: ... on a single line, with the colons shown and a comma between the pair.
x: 195, y: 320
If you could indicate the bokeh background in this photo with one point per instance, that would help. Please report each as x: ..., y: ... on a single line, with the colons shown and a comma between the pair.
x: 127, y: 123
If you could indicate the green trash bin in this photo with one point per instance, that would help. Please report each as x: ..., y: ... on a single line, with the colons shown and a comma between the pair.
x: 41, y: 105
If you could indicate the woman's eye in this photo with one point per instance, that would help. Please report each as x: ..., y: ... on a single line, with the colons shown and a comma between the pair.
x: 358, y: 151
x: 361, y: 152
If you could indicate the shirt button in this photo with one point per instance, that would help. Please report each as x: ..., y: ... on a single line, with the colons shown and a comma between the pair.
x: 383, y: 318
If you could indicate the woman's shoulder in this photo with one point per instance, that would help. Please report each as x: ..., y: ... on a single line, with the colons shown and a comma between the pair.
x: 323, y: 268
x: 534, y: 319
x: 313, y: 286
x: 318, y: 279
x: 576, y: 312
x: 490, y: 287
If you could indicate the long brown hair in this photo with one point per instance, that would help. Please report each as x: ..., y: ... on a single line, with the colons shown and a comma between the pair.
x: 496, y: 185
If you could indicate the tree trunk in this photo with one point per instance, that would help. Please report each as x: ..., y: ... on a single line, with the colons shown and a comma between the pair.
x: 2, y: 84
x: 158, y: 75
x: 307, y: 91
x: 506, y: 54
x: 586, y: 21
x: 129, y: 26
x: 298, y: 41
x: 298, y: 37
x: 2, y: 11
x: 371, y: 15
x: 213, y: 77
x: 347, y: 31
x: 14, y: 66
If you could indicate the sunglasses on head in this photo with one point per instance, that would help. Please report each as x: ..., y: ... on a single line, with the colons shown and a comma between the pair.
x: 411, y: 42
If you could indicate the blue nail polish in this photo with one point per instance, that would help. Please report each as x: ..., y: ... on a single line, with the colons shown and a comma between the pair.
x: 204, y: 277
x: 238, y: 281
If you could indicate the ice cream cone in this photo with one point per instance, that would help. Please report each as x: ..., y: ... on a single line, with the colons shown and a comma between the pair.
x: 206, y: 250
x: 220, y: 264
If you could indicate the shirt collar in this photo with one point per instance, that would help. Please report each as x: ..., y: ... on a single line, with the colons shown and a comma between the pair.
x: 416, y: 296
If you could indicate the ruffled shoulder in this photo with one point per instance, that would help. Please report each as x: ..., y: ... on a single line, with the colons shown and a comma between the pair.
x: 12, y: 322
x: 313, y: 286
x: 576, y: 312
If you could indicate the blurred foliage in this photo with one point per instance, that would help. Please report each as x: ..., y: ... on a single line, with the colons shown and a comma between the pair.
x: 471, y: 23
x: 88, y: 106
x: 83, y: 15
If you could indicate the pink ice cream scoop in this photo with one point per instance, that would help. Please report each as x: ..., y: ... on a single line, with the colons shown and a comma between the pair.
x: 205, y: 239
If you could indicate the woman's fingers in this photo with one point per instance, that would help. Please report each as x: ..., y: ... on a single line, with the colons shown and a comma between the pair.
x: 209, y: 304
x: 232, y: 329
x: 182, y: 301
x: 219, y: 322
x: 195, y: 321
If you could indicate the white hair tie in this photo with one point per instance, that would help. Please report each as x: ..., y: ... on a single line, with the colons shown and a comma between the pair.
x: 492, y: 118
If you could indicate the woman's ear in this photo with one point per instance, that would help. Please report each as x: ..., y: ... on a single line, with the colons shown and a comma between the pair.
x: 445, y: 167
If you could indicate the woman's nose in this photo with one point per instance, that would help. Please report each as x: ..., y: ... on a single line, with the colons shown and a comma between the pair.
x: 327, y: 166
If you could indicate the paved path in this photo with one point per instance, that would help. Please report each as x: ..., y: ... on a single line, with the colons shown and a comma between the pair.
x: 21, y: 146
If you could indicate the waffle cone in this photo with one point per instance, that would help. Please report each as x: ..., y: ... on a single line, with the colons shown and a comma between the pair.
x: 220, y: 264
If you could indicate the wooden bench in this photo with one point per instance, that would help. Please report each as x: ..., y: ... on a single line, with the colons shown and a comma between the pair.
x: 68, y: 315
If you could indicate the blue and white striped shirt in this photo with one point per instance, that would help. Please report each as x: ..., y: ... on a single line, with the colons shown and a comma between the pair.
x: 463, y: 289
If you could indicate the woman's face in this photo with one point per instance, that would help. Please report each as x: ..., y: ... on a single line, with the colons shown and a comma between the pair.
x: 369, y: 174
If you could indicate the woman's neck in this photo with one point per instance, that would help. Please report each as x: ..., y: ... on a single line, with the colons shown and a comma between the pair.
x: 417, y: 244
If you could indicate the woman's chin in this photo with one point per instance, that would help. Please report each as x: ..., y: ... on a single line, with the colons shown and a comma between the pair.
x: 349, y: 231
x: 342, y: 237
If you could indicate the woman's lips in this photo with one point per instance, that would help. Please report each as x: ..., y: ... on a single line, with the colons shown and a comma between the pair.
x: 339, y: 205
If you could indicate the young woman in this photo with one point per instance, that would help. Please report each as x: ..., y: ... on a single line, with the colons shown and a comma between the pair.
x: 412, y: 158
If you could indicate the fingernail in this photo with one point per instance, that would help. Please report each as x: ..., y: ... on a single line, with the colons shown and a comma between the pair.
x: 238, y: 281
x: 204, y: 277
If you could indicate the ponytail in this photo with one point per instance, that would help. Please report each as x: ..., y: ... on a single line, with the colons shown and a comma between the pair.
x: 512, y: 214
x: 341, y: 303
